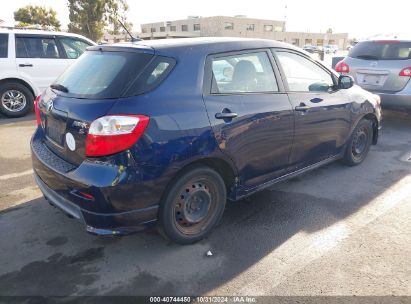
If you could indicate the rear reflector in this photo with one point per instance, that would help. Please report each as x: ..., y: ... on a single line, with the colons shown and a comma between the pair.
x: 112, y: 134
x: 342, y: 67
x: 406, y: 72
x: 36, y: 110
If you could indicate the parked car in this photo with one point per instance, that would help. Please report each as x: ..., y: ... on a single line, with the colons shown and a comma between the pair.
x: 30, y: 60
x: 310, y: 49
x: 330, y: 49
x: 382, y: 67
x: 140, y: 134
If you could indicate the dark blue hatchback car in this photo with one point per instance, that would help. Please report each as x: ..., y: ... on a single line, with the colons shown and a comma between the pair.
x: 164, y: 132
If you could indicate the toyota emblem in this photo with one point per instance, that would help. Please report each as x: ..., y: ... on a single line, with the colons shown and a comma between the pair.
x: 50, y: 105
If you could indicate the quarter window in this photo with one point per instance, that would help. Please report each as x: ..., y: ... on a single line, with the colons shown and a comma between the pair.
x: 303, y: 75
x: 73, y: 47
x: 243, y: 73
x: 36, y: 47
x: 4, y: 45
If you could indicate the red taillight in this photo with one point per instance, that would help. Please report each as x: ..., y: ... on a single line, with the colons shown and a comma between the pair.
x: 36, y: 110
x: 342, y: 67
x: 406, y: 72
x: 111, y: 134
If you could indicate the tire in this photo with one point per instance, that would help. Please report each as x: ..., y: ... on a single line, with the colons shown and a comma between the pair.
x: 359, y: 143
x: 192, y: 206
x: 16, y: 99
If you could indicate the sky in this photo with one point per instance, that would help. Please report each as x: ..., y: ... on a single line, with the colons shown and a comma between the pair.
x: 358, y: 18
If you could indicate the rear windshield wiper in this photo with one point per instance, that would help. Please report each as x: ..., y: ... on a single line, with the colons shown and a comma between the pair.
x: 371, y: 57
x: 59, y: 87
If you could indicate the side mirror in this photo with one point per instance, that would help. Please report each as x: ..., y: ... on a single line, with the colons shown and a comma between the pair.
x: 345, y: 82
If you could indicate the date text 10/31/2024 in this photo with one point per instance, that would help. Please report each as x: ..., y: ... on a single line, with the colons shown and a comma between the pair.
x: 204, y: 299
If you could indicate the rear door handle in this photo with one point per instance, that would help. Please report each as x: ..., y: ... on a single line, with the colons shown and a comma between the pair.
x: 226, y: 115
x: 25, y: 65
x: 302, y: 107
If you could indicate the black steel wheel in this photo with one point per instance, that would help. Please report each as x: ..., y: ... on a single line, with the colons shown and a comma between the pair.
x: 192, y: 206
x: 359, y: 143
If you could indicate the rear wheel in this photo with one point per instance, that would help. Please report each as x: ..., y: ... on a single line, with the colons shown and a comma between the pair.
x: 192, y: 206
x: 16, y: 99
x: 359, y: 143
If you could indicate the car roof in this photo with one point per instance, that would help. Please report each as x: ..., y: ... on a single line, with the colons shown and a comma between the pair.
x: 205, y: 45
x: 5, y: 30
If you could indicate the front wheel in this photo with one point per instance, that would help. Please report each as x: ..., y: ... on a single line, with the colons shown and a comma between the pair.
x: 359, y: 143
x: 192, y: 206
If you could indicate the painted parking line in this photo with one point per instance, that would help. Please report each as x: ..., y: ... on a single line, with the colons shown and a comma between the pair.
x: 14, y: 175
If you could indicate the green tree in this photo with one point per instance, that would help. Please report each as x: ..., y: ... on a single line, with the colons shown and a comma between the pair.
x: 91, y: 17
x: 37, y: 15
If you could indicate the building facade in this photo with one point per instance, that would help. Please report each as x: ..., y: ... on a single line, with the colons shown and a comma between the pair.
x: 238, y: 26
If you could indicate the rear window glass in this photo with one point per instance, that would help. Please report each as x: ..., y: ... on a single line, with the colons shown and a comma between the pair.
x: 381, y: 50
x: 105, y: 75
x: 4, y: 45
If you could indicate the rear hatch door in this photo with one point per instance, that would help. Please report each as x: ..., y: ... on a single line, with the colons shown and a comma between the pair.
x: 85, y: 92
x: 376, y: 65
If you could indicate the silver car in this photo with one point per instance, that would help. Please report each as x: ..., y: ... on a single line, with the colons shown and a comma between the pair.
x: 382, y: 67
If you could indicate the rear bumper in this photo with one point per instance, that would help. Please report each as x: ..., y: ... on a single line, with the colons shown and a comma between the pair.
x: 400, y: 100
x: 121, y: 202
x: 395, y: 101
x: 97, y: 223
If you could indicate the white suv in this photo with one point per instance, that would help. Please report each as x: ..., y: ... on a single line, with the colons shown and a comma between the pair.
x: 30, y: 60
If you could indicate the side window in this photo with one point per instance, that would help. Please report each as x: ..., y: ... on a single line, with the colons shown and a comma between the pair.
x: 36, y: 47
x: 243, y: 73
x: 303, y: 75
x: 74, y: 47
x: 4, y: 45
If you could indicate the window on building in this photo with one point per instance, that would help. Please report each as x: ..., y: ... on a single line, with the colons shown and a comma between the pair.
x: 278, y: 29
x: 184, y: 28
x: 268, y: 28
x: 295, y: 41
x: 153, y: 29
x: 228, y: 26
x: 243, y: 73
x: 197, y: 27
x: 172, y: 28
x: 250, y: 27
x: 162, y: 29
x: 144, y: 30
x: 303, y: 75
x: 4, y: 45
